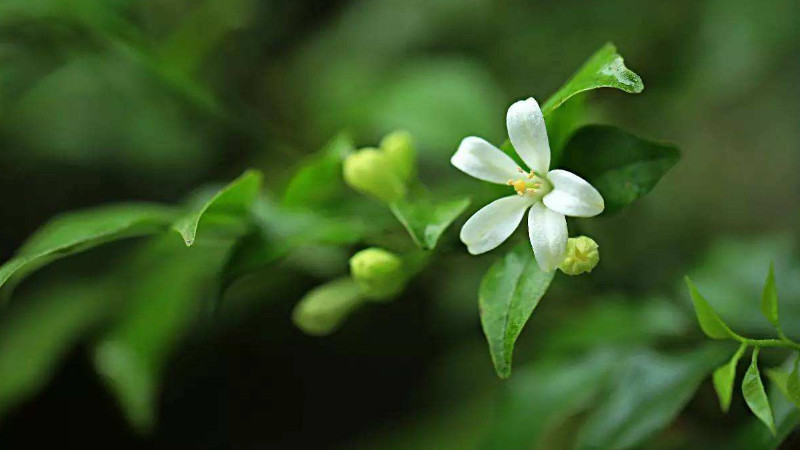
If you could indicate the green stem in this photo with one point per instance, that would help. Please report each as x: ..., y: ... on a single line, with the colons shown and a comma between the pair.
x: 782, y: 342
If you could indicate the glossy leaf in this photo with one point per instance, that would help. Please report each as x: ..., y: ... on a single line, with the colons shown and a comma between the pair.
x: 621, y: 166
x: 755, y: 396
x: 79, y: 231
x: 769, y: 298
x: 318, y: 181
x: 724, y: 378
x: 426, y: 220
x: 509, y: 292
x: 231, y: 202
x: 710, y: 322
x: 604, y: 69
x: 649, y: 391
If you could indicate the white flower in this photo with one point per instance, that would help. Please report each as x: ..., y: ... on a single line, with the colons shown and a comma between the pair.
x: 550, y: 194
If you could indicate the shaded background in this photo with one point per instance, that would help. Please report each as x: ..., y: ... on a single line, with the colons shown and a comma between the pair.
x: 105, y: 101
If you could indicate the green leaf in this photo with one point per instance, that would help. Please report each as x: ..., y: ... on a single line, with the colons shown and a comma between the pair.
x: 426, y: 220
x: 793, y: 386
x: 605, y: 68
x: 754, y: 435
x: 710, y: 322
x: 79, y: 231
x: 318, y: 182
x: 621, y: 166
x: 754, y: 394
x: 647, y: 393
x: 509, y: 292
x: 724, y: 377
x: 35, y: 337
x: 231, y: 202
x: 160, y: 306
x: 769, y: 298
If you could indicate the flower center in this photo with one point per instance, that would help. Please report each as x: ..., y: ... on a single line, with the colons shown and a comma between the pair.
x: 530, y: 185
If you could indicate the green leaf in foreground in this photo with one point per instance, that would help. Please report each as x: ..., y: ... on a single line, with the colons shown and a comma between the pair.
x: 232, y: 201
x: 426, y: 220
x: 79, y: 231
x: 621, y: 166
x: 710, y: 322
x: 319, y: 180
x: 605, y: 68
x: 754, y: 394
x: 769, y: 298
x: 724, y: 378
x: 646, y: 395
x: 509, y: 292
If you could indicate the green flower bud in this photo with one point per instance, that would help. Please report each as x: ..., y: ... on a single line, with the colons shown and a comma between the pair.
x: 371, y: 171
x: 379, y: 273
x: 324, y: 308
x: 582, y: 256
x: 399, y: 147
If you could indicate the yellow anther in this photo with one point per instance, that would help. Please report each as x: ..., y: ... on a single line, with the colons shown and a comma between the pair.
x: 520, y: 186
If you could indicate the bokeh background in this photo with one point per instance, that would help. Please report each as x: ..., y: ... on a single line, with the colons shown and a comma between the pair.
x: 115, y: 100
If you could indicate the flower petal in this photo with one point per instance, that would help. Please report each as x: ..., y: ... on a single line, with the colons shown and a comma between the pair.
x: 484, y: 161
x: 526, y: 129
x: 548, y: 232
x: 572, y: 195
x: 494, y: 223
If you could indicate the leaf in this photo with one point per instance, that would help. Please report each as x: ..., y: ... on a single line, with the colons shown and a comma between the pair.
x: 318, y: 182
x: 605, y: 68
x: 232, y: 201
x: 724, y: 377
x: 621, y: 166
x: 769, y: 298
x: 647, y: 393
x: 755, y: 396
x: 710, y: 322
x: 508, y: 293
x: 426, y: 220
x: 34, y: 338
x: 79, y: 231
x: 170, y: 282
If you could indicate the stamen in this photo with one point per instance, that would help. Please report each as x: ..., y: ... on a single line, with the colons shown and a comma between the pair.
x: 510, y: 182
x: 519, y: 169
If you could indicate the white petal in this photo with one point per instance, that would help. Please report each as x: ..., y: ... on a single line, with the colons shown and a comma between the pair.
x: 526, y: 129
x: 484, y: 161
x: 494, y: 223
x: 548, y: 232
x: 572, y: 195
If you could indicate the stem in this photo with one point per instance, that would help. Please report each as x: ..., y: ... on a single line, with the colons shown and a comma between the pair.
x: 782, y: 342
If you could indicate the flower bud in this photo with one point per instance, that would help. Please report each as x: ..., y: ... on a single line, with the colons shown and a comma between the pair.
x: 325, y: 307
x: 399, y: 148
x: 379, y: 273
x: 582, y: 256
x: 371, y: 171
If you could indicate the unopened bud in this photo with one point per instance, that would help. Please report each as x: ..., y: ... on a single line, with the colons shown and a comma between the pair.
x: 324, y: 308
x: 371, y: 171
x: 582, y: 256
x: 399, y: 148
x: 379, y: 273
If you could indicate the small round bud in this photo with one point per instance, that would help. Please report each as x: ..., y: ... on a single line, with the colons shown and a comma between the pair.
x: 379, y: 273
x: 371, y: 171
x: 324, y: 308
x: 399, y: 147
x: 582, y: 256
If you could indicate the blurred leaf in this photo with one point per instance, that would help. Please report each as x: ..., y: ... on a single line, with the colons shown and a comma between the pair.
x: 710, y: 322
x: 79, y: 231
x: 769, y: 298
x: 543, y: 394
x: 646, y: 395
x: 426, y: 220
x: 605, y: 68
x: 755, y: 396
x: 621, y: 166
x: 34, y: 338
x: 562, y: 123
x: 323, y: 309
x: 724, y: 378
x: 509, y: 292
x: 319, y: 180
x: 233, y: 201
x: 164, y: 301
x: 780, y: 378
